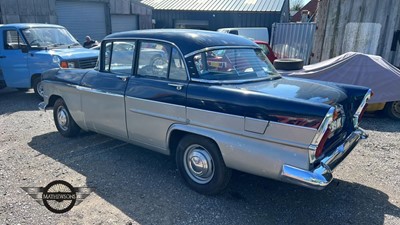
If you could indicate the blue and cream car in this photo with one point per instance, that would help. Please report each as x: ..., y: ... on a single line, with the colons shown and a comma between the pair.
x: 214, y: 102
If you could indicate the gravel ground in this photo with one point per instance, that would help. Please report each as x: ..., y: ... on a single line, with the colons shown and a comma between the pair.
x: 135, y: 186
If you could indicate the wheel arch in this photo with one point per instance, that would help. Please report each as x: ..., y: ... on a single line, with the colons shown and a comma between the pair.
x: 33, y: 77
x: 52, y: 100
x: 177, y: 132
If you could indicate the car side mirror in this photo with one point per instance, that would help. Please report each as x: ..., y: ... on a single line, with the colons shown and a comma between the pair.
x: 24, y: 48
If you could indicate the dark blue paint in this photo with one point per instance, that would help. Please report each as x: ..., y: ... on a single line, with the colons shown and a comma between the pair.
x: 233, y: 100
x: 105, y: 82
x: 288, y: 100
x: 157, y: 90
x: 69, y: 76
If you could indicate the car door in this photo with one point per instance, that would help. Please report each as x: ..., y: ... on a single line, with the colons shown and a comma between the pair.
x: 156, y: 94
x: 13, y: 62
x: 102, y: 91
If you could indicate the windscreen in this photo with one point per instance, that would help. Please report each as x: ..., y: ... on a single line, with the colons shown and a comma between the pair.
x: 233, y: 64
x: 49, y: 37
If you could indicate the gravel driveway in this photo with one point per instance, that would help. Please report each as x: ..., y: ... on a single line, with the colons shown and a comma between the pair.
x: 136, y: 186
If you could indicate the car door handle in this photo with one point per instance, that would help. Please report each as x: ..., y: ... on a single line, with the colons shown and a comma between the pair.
x: 124, y: 78
x: 2, y: 56
x: 177, y: 86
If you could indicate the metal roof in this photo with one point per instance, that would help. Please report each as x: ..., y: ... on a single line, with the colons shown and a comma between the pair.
x: 217, y: 5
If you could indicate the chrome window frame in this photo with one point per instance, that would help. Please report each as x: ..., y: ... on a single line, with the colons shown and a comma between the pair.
x: 360, y: 108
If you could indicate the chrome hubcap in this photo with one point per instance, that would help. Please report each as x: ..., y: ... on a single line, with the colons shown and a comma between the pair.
x: 199, y: 164
x: 62, y: 118
x: 39, y: 88
x: 396, y: 108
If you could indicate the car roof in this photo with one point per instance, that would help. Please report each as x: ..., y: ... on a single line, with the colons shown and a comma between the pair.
x: 187, y: 40
x: 29, y: 25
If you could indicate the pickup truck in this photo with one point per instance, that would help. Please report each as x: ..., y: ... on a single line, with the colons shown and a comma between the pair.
x: 27, y: 50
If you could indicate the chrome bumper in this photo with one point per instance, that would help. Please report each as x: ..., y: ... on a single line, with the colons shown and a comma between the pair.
x: 321, y: 176
x: 42, y: 106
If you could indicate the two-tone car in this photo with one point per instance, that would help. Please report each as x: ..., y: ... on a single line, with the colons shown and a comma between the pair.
x: 212, y: 120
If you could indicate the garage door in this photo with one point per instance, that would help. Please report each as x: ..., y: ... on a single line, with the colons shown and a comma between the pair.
x: 82, y: 19
x: 123, y: 23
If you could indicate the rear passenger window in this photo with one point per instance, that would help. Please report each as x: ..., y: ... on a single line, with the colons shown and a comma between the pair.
x: 154, y: 59
x: 161, y: 61
x: 119, y: 57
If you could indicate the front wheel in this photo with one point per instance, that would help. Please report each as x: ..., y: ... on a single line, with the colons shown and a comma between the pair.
x: 38, y: 87
x: 392, y: 109
x: 201, y: 165
x: 64, y: 122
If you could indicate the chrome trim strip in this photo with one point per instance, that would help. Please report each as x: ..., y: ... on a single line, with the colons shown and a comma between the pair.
x: 320, y: 133
x: 235, y: 81
x: 241, y: 131
x: 292, y: 125
x: 321, y: 176
x: 220, y: 47
x: 158, y: 115
x: 367, y: 96
x: 271, y: 122
x: 96, y: 91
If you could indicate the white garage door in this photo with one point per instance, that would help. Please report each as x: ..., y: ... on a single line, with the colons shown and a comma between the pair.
x: 82, y: 19
x: 123, y: 23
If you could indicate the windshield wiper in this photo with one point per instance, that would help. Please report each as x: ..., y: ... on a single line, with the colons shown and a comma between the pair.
x: 55, y: 45
x: 74, y: 44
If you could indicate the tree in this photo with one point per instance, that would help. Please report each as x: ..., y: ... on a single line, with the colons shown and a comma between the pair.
x: 296, y: 5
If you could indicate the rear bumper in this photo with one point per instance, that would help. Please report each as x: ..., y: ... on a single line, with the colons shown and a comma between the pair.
x: 321, y: 176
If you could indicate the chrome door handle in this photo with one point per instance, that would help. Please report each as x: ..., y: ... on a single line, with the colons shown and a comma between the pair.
x: 124, y: 78
x: 177, y: 86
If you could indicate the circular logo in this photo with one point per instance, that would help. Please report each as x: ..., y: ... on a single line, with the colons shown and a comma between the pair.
x: 59, y: 196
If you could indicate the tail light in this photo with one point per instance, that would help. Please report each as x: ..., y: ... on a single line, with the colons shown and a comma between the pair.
x: 318, y: 151
x: 322, y: 135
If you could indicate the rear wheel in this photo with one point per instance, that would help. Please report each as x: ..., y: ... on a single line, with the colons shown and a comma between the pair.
x: 392, y: 109
x: 37, y: 86
x: 201, y: 165
x: 64, y: 122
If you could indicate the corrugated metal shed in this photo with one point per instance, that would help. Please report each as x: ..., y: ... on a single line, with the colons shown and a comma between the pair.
x: 217, y: 5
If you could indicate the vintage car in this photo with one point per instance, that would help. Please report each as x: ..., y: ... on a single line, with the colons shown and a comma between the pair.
x: 210, y: 120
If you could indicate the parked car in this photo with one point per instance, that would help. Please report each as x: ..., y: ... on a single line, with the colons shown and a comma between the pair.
x: 267, y: 50
x: 27, y: 50
x: 244, y: 116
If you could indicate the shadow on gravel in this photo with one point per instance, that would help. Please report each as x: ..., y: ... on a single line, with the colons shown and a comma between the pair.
x: 146, y: 186
x: 12, y: 100
x: 380, y: 123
